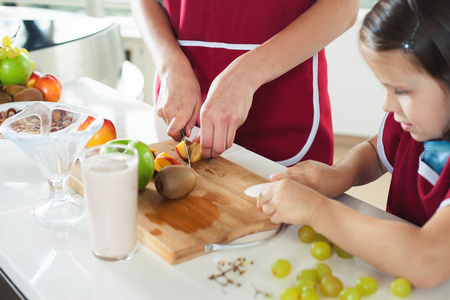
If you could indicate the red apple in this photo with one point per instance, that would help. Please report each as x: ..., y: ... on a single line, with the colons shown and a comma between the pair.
x: 32, y: 80
x: 105, y: 134
x: 50, y: 86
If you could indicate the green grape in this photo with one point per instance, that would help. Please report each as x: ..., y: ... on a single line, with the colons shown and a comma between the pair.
x: 17, y: 50
x: 3, y: 53
x: 322, y: 270
x: 306, y: 234
x: 308, y: 273
x: 25, y: 51
x: 342, y: 253
x: 281, y: 268
x: 290, y: 294
x: 331, y: 286
x: 6, y: 41
x: 320, y: 250
x: 349, y: 293
x: 400, y: 287
x: 303, y: 284
x: 321, y: 237
x: 10, y: 53
x: 366, y: 285
x: 310, y: 295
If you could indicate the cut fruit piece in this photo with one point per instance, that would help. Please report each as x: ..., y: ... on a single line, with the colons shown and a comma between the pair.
x: 181, y: 150
x: 195, y: 152
x: 165, y: 154
x: 154, y: 153
x: 164, y: 161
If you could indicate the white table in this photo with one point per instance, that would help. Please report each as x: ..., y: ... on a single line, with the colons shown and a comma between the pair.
x: 56, y: 263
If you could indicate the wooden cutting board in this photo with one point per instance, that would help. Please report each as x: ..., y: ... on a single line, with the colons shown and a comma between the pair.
x: 216, y: 211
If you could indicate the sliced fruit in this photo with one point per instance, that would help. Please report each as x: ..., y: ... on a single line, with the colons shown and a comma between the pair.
x: 181, y: 150
x: 195, y: 152
x: 163, y: 160
x: 154, y: 153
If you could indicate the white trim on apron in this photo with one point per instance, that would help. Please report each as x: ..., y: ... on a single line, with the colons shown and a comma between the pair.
x: 380, y: 146
x: 187, y: 43
x: 316, y: 119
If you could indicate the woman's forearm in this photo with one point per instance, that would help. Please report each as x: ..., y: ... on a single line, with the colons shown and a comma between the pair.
x: 398, y: 248
x: 361, y: 164
x: 158, y: 36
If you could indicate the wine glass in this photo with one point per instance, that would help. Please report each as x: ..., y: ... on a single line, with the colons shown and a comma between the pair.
x: 53, y: 135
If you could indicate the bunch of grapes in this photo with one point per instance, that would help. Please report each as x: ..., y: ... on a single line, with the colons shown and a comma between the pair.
x: 319, y: 280
x: 9, y: 50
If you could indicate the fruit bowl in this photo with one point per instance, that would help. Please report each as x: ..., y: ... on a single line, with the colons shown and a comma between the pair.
x: 50, y: 134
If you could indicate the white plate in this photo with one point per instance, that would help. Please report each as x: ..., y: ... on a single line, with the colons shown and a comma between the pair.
x: 20, y: 105
x: 255, y: 190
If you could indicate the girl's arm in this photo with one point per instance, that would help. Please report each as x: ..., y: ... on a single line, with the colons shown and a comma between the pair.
x: 360, y: 165
x: 401, y: 249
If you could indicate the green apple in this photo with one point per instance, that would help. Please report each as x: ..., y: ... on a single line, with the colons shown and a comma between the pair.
x: 146, y: 163
x: 15, y: 71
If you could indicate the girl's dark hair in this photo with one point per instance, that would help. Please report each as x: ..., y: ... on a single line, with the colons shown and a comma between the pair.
x: 392, y: 22
x: 423, y: 24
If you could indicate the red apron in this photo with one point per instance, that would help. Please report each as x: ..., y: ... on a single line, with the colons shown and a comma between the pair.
x: 416, y: 190
x: 290, y: 117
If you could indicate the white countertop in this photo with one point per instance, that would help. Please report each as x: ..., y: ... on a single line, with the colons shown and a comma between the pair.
x: 56, y: 263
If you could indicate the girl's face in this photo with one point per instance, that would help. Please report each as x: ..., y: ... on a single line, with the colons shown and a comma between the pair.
x: 419, y: 102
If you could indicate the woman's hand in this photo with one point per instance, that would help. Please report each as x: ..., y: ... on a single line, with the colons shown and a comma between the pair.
x: 179, y: 101
x: 287, y: 201
x: 225, y: 109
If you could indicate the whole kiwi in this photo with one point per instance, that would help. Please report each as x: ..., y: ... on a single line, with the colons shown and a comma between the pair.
x: 175, y: 182
x: 13, y: 89
x: 5, y: 98
x: 30, y: 94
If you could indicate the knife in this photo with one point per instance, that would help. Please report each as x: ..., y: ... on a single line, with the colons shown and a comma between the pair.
x: 183, y: 133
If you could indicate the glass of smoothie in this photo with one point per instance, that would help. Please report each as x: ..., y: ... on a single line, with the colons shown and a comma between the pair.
x: 110, y: 181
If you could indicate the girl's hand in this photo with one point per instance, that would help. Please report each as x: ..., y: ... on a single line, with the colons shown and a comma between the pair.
x: 225, y: 109
x: 179, y: 102
x: 287, y: 201
x: 319, y: 176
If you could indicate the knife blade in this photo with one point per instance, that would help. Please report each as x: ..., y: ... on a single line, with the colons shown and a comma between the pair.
x: 183, y: 133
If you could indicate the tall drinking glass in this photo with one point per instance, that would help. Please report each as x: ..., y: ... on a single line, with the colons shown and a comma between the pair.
x: 53, y: 135
x: 110, y: 182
